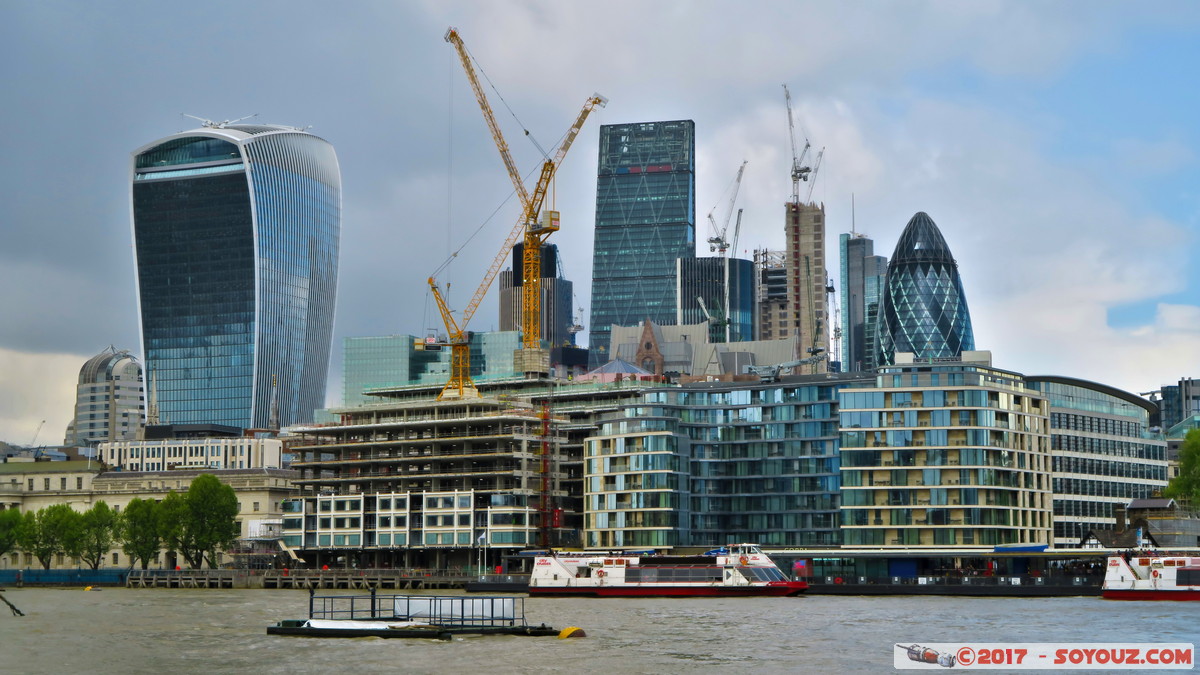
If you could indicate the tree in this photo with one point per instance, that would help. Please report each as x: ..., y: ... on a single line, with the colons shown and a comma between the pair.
x: 48, y: 532
x: 173, y: 527
x: 96, y: 535
x: 10, y: 526
x: 1187, y: 484
x: 139, y: 532
x: 213, y: 510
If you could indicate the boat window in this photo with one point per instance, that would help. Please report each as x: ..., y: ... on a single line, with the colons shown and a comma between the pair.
x: 764, y: 573
x: 697, y: 573
x: 1188, y: 576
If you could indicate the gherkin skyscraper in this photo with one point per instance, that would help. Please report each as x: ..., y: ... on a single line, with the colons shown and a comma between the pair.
x: 924, y: 310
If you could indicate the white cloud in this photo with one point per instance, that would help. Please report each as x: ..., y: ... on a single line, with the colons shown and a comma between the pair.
x: 33, y: 388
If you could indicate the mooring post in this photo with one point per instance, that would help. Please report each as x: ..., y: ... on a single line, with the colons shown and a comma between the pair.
x: 15, y: 611
x: 311, y: 593
x: 373, y: 614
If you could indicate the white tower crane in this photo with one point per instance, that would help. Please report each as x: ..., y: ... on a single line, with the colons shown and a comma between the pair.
x: 717, y: 242
x: 799, y: 170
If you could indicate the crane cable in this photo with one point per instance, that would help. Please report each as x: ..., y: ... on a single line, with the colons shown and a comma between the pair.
x: 455, y: 253
x: 528, y: 135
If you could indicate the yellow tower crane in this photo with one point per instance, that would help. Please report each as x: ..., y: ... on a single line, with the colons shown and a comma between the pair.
x: 535, y: 233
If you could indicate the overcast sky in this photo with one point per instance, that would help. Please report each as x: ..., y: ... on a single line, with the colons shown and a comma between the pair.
x: 1054, y: 143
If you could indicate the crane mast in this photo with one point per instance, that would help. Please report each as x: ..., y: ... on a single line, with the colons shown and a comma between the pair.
x: 718, y: 242
x: 536, y: 233
x: 799, y: 171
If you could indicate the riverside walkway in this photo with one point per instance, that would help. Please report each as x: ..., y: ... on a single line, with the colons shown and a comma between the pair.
x: 278, y: 578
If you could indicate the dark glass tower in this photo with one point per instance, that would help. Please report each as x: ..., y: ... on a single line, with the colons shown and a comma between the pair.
x: 924, y: 310
x: 236, y: 231
x: 727, y: 287
x: 862, y: 277
x: 645, y: 219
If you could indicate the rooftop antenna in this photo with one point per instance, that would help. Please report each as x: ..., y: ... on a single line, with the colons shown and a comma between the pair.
x: 209, y: 124
x: 853, y: 222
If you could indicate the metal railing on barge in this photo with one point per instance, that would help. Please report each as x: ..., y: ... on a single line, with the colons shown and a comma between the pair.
x: 441, y: 610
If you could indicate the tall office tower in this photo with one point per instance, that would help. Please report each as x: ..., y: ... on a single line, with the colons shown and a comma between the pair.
x: 236, y: 230
x: 726, y: 286
x: 557, y: 294
x: 924, y: 310
x: 1179, y: 402
x: 109, y: 400
x: 645, y: 219
x: 804, y: 259
x: 772, y: 298
x: 862, y: 277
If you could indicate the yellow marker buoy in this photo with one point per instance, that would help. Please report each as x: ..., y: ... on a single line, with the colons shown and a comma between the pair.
x: 570, y: 632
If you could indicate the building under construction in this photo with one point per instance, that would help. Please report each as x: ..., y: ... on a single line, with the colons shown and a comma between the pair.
x: 412, y: 481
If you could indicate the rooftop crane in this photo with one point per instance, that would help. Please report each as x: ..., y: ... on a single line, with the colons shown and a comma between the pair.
x: 799, y: 171
x: 771, y: 373
x: 737, y: 231
x: 460, y: 384
x: 536, y: 231
x: 717, y: 242
x: 813, y: 183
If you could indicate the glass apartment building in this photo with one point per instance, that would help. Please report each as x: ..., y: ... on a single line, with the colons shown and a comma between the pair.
x: 645, y: 220
x: 236, y: 232
x: 1104, y: 454
x: 923, y: 310
x: 389, y: 361
x: 945, y: 453
x: 708, y: 464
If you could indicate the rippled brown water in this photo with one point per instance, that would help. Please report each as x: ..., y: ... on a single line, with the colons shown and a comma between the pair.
x: 224, y: 631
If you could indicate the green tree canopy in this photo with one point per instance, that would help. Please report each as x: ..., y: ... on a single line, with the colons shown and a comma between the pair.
x: 173, y: 527
x: 95, y: 535
x: 199, y: 523
x: 49, y: 532
x: 213, y: 510
x: 138, y: 531
x: 1187, y: 484
x: 10, y: 526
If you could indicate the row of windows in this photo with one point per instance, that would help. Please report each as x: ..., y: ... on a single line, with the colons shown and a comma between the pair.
x: 1103, y: 488
x: 1104, y: 446
x: 1105, y: 467
x: 1098, y: 425
x: 744, y: 522
x: 912, y: 537
x: 62, y: 483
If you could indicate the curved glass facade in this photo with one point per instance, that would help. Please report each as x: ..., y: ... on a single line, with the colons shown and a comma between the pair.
x: 236, y: 231
x: 923, y: 310
x: 1104, y: 454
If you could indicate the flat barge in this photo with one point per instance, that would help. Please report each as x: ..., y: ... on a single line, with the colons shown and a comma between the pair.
x: 431, y: 617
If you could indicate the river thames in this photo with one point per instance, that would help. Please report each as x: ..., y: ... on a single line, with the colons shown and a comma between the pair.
x: 119, y: 630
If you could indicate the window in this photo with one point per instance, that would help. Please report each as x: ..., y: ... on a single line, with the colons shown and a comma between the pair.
x: 255, y: 506
x: 116, y: 559
x: 79, y: 484
x: 45, y: 483
x: 62, y: 483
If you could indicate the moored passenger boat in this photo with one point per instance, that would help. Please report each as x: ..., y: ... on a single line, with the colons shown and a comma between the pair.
x: 738, y: 570
x: 1152, y: 577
